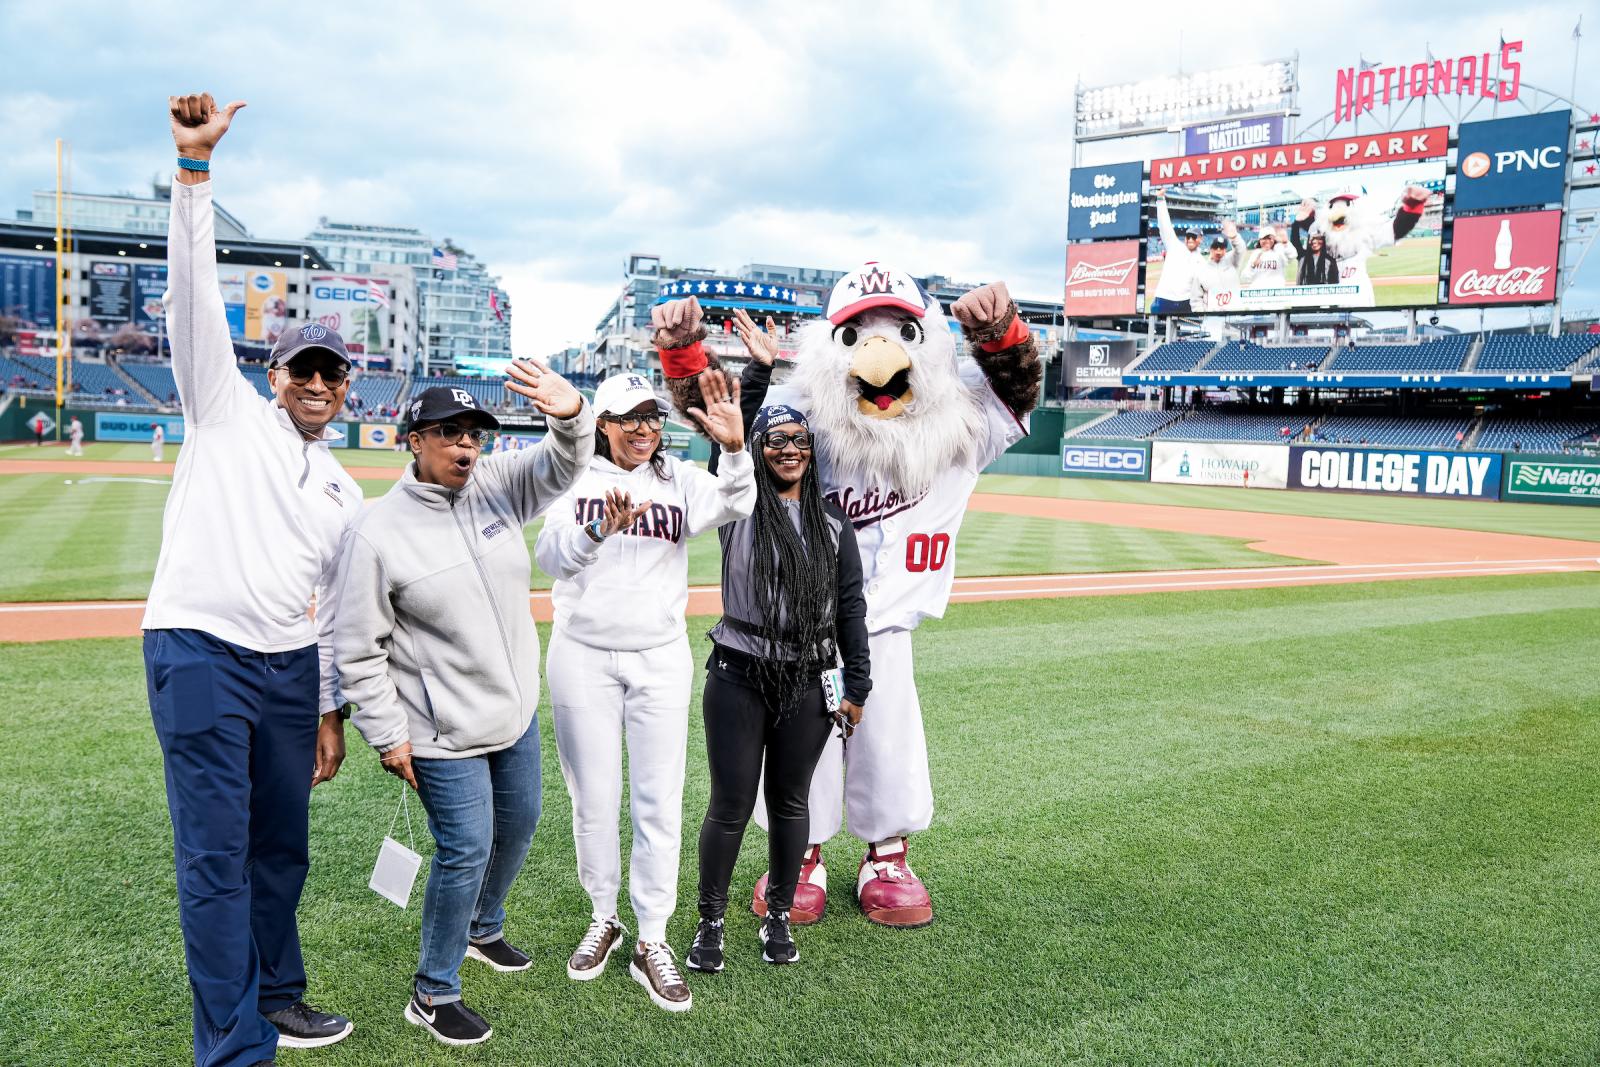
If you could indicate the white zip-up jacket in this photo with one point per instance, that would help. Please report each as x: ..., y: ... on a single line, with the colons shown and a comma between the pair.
x: 1179, y: 265
x: 631, y: 592
x: 257, y: 515
x: 435, y: 642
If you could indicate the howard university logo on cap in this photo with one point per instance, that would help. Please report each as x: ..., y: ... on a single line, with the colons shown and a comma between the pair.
x: 312, y: 332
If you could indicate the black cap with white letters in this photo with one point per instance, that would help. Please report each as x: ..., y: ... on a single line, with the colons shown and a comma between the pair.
x: 446, y: 402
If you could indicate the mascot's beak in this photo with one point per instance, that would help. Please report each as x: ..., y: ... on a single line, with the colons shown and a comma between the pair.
x: 883, y: 374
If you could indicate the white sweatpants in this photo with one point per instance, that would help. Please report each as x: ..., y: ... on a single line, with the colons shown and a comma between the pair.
x: 600, y: 697
x: 882, y: 774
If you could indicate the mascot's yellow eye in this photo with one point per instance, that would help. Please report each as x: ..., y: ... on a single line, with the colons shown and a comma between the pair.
x: 910, y: 332
x: 846, y: 335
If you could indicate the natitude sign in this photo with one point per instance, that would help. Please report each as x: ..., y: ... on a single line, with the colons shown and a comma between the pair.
x: 1102, y: 278
x: 1360, y: 151
x: 1505, y: 259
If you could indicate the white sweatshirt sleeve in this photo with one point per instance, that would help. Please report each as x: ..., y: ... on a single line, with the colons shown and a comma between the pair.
x: 360, y: 644
x: 562, y: 549
x: 713, y: 500
x: 328, y: 591
x: 203, y: 364
x: 1169, y: 236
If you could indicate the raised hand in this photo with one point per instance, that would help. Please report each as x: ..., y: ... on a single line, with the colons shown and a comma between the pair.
x: 1416, y: 194
x: 198, y: 124
x: 720, y: 418
x: 620, y: 512
x: 983, y: 306
x: 1230, y: 229
x: 1308, y: 208
x: 552, y: 394
x: 762, y: 344
x: 675, y: 322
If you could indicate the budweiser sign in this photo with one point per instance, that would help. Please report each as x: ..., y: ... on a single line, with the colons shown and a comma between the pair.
x: 1102, y: 278
x: 1505, y: 259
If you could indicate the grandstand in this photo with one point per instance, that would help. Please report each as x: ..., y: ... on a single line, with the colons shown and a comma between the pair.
x: 1214, y: 425
x: 1248, y: 356
x: 1175, y: 356
x: 93, y: 384
x: 1412, y: 431
x: 1527, y: 352
x: 1443, y: 355
x: 1512, y: 433
x: 1126, y: 424
x: 154, y: 378
x: 374, y: 391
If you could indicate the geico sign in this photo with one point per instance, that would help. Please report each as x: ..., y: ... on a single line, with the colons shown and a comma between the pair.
x: 340, y: 292
x: 1103, y: 459
x: 1477, y: 164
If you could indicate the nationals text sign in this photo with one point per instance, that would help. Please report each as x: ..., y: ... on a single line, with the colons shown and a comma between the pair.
x: 1505, y: 259
x: 1102, y: 278
x: 1297, y: 158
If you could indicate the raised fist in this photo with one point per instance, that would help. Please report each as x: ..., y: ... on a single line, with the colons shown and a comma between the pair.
x: 984, y: 306
x: 1416, y: 194
x: 198, y: 124
x: 676, y: 322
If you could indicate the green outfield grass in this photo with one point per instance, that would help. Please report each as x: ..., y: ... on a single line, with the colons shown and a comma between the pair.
x: 1346, y: 824
x: 1540, y: 520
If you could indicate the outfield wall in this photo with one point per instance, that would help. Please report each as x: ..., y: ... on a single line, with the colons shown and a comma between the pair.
x: 1548, y: 479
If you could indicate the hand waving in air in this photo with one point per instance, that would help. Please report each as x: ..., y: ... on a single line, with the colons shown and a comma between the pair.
x: 198, y: 124
x: 762, y: 344
x: 720, y: 418
x: 552, y: 394
x: 620, y: 512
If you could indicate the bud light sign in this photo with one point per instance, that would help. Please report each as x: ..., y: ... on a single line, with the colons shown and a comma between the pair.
x: 1515, y: 162
x: 1505, y: 259
x: 1105, y: 201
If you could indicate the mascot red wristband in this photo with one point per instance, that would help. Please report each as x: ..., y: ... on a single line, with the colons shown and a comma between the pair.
x: 1015, y: 334
x: 683, y: 362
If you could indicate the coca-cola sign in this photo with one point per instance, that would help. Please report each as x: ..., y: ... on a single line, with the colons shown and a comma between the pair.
x: 1102, y: 278
x: 1505, y: 259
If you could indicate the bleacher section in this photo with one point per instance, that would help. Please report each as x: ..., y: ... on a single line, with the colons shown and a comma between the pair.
x: 155, y: 378
x: 372, y: 391
x: 1175, y: 356
x: 1236, y: 426
x: 1502, y: 433
x: 490, y: 392
x: 1420, y: 432
x: 1445, y: 354
x: 1248, y: 356
x: 257, y: 376
x: 1126, y: 424
x: 1533, y: 353
x: 94, y: 385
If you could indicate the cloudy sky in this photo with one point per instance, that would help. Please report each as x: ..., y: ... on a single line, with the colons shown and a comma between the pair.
x: 554, y: 140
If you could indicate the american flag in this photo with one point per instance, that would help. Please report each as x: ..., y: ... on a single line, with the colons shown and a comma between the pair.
x: 444, y: 260
x: 377, y: 293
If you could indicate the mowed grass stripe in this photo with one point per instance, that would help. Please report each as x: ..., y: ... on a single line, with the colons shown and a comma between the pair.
x: 1314, y: 825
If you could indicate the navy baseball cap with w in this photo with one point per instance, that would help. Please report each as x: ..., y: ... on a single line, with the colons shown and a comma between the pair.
x: 446, y: 402
x: 311, y: 337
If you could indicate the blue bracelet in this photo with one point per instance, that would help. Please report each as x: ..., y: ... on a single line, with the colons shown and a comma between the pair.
x: 194, y: 164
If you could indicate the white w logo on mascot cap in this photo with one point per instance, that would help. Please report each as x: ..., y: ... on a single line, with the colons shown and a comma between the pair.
x: 464, y: 398
x: 874, y: 285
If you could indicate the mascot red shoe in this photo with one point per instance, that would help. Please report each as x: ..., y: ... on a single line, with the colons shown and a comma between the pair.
x: 904, y: 425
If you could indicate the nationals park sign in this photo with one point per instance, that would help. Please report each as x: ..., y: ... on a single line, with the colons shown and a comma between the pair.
x: 1366, y: 149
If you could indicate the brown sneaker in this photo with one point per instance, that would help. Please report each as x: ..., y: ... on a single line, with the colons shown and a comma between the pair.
x: 654, y: 968
x: 599, y: 942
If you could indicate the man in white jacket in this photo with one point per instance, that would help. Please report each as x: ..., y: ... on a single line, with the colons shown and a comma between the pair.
x: 1176, y: 287
x: 237, y: 665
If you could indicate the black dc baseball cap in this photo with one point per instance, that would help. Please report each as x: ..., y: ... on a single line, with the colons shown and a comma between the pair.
x: 1217, y: 242
x: 312, y: 337
x: 444, y: 402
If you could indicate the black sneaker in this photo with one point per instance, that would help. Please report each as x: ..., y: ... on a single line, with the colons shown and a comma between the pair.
x: 453, y: 1023
x: 302, y: 1026
x: 706, y: 952
x: 777, y: 944
x: 500, y: 954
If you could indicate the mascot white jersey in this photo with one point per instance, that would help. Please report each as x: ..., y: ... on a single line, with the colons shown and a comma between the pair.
x: 904, y: 424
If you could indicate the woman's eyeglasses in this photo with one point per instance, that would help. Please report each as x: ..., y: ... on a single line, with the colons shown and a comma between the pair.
x: 630, y: 423
x: 777, y: 439
x: 453, y: 432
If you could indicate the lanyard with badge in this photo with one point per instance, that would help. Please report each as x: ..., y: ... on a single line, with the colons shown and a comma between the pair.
x: 395, y: 873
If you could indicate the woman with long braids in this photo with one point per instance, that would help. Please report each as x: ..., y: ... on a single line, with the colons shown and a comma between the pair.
x: 792, y: 610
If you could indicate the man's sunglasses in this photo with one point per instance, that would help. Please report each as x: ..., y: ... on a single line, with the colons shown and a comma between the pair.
x: 332, y: 377
x: 630, y: 423
x: 453, y: 432
x: 777, y: 439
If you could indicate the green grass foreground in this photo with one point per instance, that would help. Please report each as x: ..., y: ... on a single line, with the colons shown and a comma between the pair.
x: 1344, y: 824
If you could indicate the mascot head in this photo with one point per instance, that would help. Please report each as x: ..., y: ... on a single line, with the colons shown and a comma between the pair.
x: 885, y: 395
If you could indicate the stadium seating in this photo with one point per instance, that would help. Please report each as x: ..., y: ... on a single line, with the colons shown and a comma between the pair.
x: 1174, y: 356
x: 155, y: 378
x: 1208, y: 425
x: 371, y: 392
x: 490, y: 392
x: 1418, y: 432
x: 94, y: 384
x: 1248, y: 356
x: 257, y: 376
x: 1443, y: 355
x: 1525, y: 352
x: 1127, y: 424
x: 1502, y: 433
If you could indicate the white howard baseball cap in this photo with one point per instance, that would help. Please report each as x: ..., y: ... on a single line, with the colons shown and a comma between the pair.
x: 874, y: 285
x: 621, y: 393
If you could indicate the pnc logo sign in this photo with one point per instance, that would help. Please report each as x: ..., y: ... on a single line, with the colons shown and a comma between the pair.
x: 1478, y: 164
x: 1475, y: 165
x: 1513, y: 162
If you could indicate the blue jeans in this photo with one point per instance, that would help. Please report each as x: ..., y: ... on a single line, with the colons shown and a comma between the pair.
x: 238, y: 733
x: 482, y: 811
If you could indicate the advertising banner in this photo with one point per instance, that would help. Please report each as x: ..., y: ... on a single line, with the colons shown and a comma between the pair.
x: 1220, y: 463
x: 379, y: 434
x: 1514, y: 162
x: 1233, y: 134
x: 28, y: 289
x: 1398, y: 472
x: 345, y: 303
x: 518, y: 442
x: 149, y: 282
x: 1103, y: 278
x: 1360, y: 239
x: 1125, y: 462
x: 1505, y: 259
x: 1556, y: 480
x: 132, y: 426
x: 110, y: 291
x: 1097, y: 364
x: 266, y: 305
x: 1104, y: 201
x: 1299, y: 158
x: 232, y: 284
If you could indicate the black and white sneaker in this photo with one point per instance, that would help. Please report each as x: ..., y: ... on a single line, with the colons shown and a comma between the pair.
x: 706, y: 952
x: 453, y: 1023
x: 500, y: 954
x: 302, y: 1026
x: 777, y: 944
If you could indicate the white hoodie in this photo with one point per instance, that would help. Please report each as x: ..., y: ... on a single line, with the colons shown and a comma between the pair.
x: 1179, y: 267
x: 631, y: 592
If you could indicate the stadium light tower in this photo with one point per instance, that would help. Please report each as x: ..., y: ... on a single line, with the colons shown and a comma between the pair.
x: 1162, y: 105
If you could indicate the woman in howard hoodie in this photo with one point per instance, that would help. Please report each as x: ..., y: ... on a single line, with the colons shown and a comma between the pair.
x: 438, y: 651
x: 619, y: 656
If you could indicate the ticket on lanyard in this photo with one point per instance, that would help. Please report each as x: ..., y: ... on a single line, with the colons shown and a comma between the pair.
x: 833, y: 689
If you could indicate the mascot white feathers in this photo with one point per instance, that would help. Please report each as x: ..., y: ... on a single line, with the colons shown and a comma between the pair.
x: 904, y: 423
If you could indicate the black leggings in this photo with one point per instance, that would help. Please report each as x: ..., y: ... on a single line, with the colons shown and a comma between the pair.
x: 739, y: 728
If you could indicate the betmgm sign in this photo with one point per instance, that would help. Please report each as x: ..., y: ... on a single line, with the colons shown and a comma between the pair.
x: 1097, y: 364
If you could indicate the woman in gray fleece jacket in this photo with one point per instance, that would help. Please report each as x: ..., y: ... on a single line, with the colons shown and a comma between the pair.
x: 436, y: 647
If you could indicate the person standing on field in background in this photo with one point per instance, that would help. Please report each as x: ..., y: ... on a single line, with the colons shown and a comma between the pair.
x: 158, y: 443
x: 236, y: 667
x: 75, y: 436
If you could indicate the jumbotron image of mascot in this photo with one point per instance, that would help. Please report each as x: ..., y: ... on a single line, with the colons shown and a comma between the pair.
x: 1354, y: 228
x: 903, y: 425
